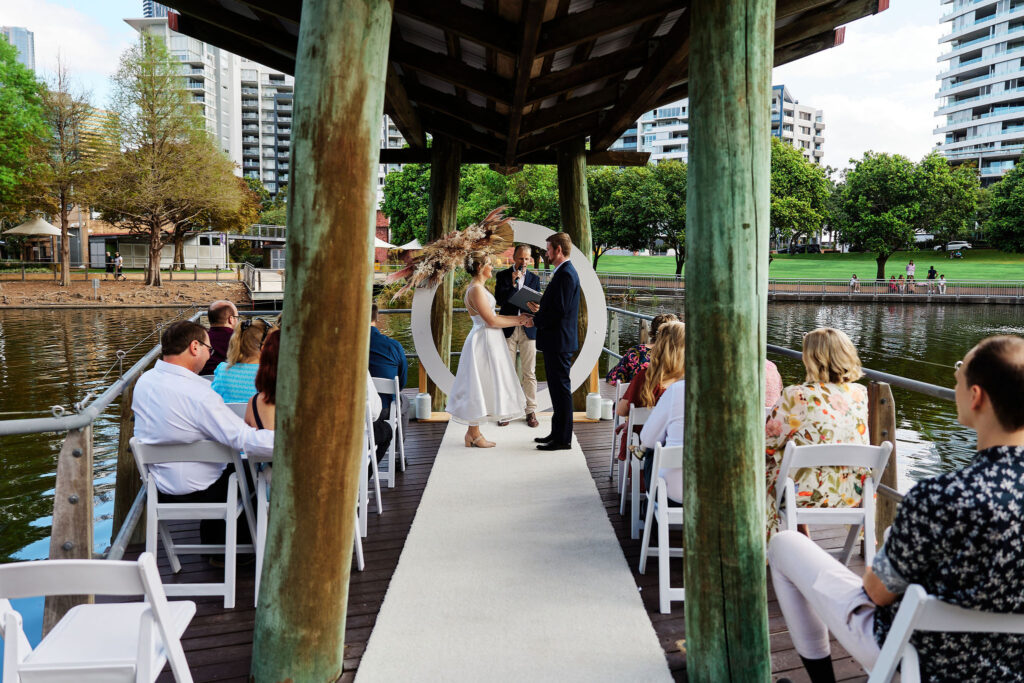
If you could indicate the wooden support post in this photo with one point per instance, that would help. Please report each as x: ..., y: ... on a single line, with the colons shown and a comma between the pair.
x: 128, y: 481
x: 573, y: 206
x: 423, y: 379
x: 339, y: 100
x: 613, y: 333
x: 644, y: 335
x: 727, y: 269
x: 71, y: 534
x: 882, y: 427
x: 445, y: 164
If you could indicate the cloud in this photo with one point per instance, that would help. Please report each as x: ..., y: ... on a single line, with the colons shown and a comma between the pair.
x: 89, y: 47
x: 878, y: 89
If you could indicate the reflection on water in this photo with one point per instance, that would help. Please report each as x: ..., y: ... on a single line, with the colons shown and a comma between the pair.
x: 55, y: 357
x: 52, y: 358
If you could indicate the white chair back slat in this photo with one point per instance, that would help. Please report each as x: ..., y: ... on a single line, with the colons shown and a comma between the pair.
x: 70, y: 577
x: 796, y: 457
x: 199, y: 451
x: 238, y: 409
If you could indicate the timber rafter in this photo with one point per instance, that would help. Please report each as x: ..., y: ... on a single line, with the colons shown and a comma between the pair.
x: 513, y: 78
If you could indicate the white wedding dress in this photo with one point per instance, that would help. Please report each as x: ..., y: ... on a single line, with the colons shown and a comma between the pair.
x: 486, y: 386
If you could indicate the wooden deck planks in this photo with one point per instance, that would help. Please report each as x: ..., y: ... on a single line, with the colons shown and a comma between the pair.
x: 218, y: 643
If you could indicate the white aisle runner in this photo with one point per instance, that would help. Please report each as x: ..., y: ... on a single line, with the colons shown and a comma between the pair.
x: 511, y: 572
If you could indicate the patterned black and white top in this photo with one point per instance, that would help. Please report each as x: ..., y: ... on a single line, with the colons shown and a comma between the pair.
x: 961, y: 536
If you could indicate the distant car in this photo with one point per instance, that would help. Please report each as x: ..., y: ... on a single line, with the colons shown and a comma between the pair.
x: 955, y: 246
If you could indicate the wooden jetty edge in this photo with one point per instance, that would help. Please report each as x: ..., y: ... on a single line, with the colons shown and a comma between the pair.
x: 218, y: 643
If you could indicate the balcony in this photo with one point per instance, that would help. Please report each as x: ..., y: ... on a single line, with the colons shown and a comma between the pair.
x: 819, y: 139
x: 250, y: 117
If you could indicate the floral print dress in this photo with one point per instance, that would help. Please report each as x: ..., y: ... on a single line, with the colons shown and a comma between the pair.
x: 631, y: 362
x: 816, y: 413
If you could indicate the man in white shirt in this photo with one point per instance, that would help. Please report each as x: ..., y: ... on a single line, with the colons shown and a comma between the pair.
x: 173, y: 404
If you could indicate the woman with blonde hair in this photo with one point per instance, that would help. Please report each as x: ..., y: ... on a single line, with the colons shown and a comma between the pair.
x: 235, y: 380
x: 486, y: 387
x: 827, y: 408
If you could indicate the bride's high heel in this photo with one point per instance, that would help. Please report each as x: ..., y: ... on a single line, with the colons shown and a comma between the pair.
x: 478, y: 442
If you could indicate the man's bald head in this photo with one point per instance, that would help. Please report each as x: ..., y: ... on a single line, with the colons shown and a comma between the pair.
x: 221, y: 313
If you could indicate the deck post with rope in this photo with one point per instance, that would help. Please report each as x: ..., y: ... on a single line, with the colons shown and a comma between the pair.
x: 341, y: 65
x: 731, y: 52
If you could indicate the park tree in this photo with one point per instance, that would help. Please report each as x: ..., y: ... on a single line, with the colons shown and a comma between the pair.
x: 22, y: 129
x: 255, y: 185
x: 799, y: 194
x: 627, y: 208
x: 879, y: 205
x: 671, y: 175
x: 1004, y: 225
x: 165, y: 170
x: 67, y: 156
x: 406, y: 202
x: 948, y: 197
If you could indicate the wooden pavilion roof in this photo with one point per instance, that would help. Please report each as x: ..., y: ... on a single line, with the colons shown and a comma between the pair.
x: 513, y: 78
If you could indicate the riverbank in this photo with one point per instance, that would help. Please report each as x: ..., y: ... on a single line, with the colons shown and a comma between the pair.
x: 125, y: 294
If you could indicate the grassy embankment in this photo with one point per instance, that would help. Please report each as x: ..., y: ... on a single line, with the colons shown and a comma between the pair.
x: 978, y: 264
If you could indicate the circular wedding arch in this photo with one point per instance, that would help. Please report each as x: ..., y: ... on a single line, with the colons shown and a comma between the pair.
x: 590, y: 289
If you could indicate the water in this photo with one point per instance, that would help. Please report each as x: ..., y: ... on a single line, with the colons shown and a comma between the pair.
x: 55, y: 357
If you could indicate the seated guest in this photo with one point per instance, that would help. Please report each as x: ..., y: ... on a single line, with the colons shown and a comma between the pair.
x: 637, y: 357
x: 827, y: 408
x: 235, y: 380
x: 173, y: 405
x: 222, y: 316
x: 665, y: 423
x: 262, y: 408
x: 387, y: 360
x: 958, y: 535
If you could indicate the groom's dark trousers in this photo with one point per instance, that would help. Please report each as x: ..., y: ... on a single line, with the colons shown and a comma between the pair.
x: 556, y: 323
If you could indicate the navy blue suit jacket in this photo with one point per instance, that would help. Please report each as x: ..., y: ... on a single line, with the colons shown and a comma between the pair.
x: 559, y: 312
x: 387, y: 360
x: 503, y: 289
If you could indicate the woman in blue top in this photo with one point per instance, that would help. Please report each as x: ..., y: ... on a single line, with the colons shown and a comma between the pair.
x: 235, y: 380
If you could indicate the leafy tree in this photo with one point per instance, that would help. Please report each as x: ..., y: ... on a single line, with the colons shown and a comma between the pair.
x: 799, y: 194
x: 275, y: 215
x: 22, y: 129
x: 406, y: 202
x: 671, y: 175
x: 1004, y: 225
x: 627, y: 206
x: 948, y: 197
x: 165, y: 170
x: 879, y: 205
x: 67, y: 157
x: 256, y: 186
x: 227, y: 216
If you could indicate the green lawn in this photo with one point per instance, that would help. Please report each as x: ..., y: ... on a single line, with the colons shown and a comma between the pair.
x: 978, y: 264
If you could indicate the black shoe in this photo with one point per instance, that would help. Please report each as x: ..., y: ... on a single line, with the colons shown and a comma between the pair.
x: 554, y: 446
x: 545, y: 439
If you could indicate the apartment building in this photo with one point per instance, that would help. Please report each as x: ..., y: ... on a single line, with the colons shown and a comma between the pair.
x: 267, y: 99
x: 24, y: 41
x: 981, y: 91
x: 801, y: 125
x: 664, y: 132
x: 213, y: 78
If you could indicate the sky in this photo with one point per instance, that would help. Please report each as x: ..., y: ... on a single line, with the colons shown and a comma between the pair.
x: 877, y: 89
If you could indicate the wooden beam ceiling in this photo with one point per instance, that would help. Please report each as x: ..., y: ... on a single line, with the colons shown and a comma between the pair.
x: 452, y: 71
x: 256, y: 32
x: 402, y: 111
x: 452, y: 17
x: 602, y: 20
x: 533, y: 17
x: 546, y: 157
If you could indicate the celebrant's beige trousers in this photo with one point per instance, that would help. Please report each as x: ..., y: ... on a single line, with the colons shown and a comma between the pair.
x: 527, y: 349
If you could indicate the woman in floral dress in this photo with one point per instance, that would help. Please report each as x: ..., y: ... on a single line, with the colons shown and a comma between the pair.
x: 638, y: 357
x: 827, y: 408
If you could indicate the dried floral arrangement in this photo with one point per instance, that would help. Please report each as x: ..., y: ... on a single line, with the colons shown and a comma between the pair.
x: 493, y: 234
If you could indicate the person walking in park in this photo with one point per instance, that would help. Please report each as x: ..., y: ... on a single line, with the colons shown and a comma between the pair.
x: 108, y: 265
x: 556, y: 317
x: 520, y: 339
x: 118, y: 265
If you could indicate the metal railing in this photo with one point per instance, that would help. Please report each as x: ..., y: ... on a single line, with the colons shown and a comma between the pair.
x: 36, y: 270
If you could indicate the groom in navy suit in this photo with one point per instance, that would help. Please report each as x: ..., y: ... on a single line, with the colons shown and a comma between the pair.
x: 556, y: 318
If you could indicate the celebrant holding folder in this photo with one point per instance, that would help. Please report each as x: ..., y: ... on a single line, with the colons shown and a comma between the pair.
x: 509, y: 283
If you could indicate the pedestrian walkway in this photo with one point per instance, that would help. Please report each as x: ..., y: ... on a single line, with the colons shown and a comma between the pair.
x: 512, y: 571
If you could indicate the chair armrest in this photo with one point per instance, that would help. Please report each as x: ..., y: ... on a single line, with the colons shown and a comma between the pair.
x: 16, y: 645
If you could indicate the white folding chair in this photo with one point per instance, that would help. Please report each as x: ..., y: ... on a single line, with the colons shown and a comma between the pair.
x: 392, y: 387
x: 128, y: 641
x: 630, y: 469
x: 620, y: 389
x: 796, y: 457
x: 157, y: 513
x: 922, y: 612
x: 369, y: 466
x: 668, y: 486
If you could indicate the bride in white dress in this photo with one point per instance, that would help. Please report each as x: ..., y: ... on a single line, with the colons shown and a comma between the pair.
x: 486, y: 386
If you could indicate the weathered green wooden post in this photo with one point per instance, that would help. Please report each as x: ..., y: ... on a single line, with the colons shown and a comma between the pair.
x: 339, y: 100
x: 445, y: 164
x: 574, y: 209
x: 726, y: 274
